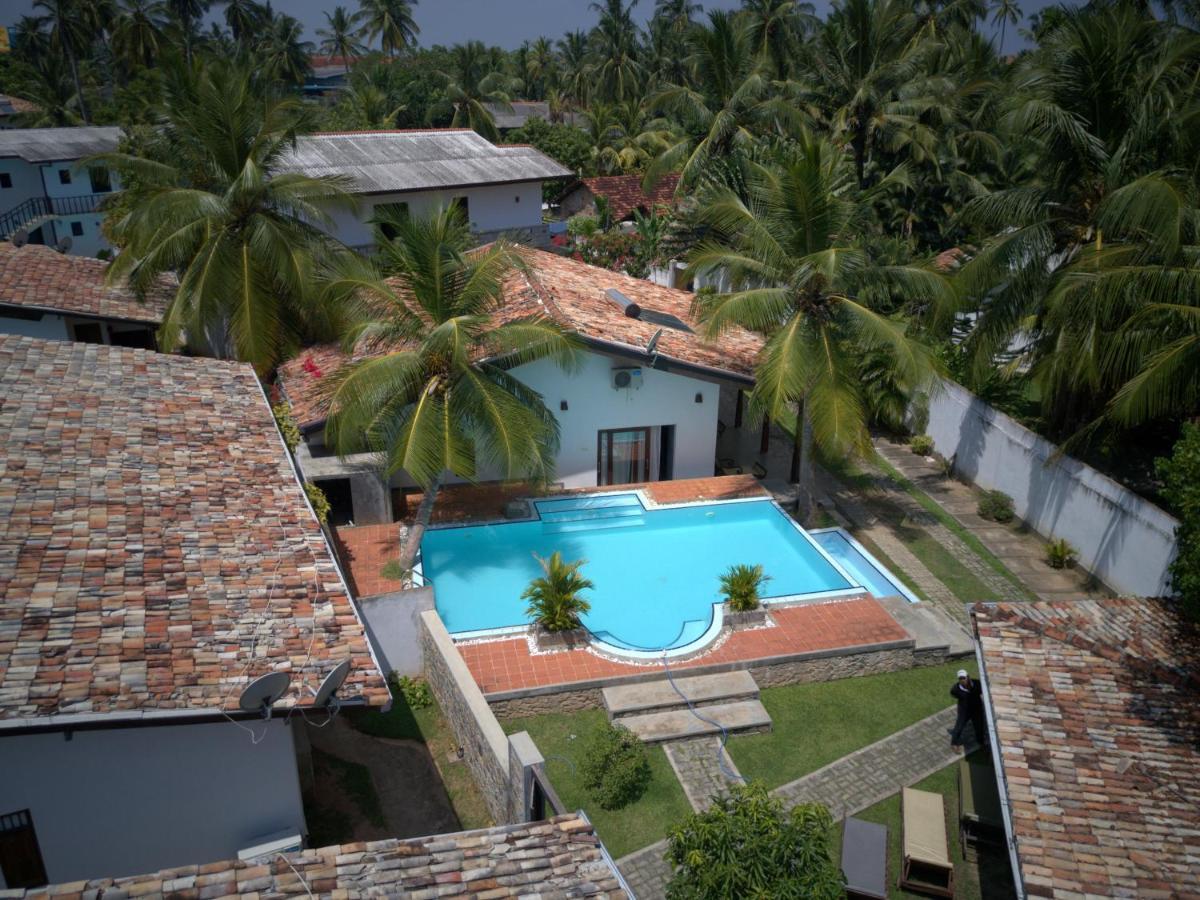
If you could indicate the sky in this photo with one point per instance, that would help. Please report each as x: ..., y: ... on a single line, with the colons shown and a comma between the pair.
x: 503, y: 22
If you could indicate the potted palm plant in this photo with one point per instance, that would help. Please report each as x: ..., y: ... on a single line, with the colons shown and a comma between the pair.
x: 741, y: 586
x: 556, y: 603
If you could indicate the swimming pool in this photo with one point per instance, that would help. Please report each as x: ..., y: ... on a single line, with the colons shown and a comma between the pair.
x: 655, y: 570
x: 860, y: 565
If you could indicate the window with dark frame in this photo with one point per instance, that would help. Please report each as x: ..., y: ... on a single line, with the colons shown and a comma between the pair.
x: 101, y: 179
x: 64, y: 176
x: 623, y: 456
x: 5, y: 180
x: 20, y: 856
x: 77, y: 229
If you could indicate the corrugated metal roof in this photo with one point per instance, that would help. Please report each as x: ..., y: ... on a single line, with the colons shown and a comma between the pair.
x: 395, y: 161
x: 521, y: 111
x: 38, y: 145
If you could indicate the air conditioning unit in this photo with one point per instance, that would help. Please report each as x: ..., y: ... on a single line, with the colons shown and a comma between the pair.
x: 626, y: 379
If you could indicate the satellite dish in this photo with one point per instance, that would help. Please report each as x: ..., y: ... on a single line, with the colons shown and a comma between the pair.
x: 324, y: 695
x: 652, y: 347
x: 261, y: 694
x: 64, y: 244
x: 20, y: 237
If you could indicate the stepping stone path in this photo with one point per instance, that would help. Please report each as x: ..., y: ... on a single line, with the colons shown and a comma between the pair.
x: 703, y: 767
x: 847, y: 786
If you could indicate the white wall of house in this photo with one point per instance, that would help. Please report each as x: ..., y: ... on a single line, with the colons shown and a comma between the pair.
x: 44, y: 180
x: 132, y: 800
x: 492, y: 208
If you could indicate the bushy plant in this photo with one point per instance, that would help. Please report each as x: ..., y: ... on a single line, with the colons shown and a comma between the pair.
x: 1060, y: 554
x: 997, y: 506
x: 746, y: 845
x: 1181, y: 487
x: 320, y: 503
x: 287, y: 425
x: 582, y: 226
x: 741, y: 586
x: 945, y: 465
x: 555, y: 601
x: 416, y: 691
x: 616, y: 769
x: 921, y: 444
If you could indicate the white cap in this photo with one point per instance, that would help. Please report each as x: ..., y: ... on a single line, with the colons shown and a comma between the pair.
x: 962, y: 673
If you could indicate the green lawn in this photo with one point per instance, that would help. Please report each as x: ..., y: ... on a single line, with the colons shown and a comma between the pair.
x: 814, y: 724
x: 562, y: 737
x: 429, y: 726
x: 966, y: 874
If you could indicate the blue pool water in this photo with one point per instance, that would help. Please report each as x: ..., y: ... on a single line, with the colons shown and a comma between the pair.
x: 655, y: 571
x: 863, y: 569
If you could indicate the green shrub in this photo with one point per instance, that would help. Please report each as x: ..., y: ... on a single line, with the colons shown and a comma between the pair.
x: 582, y: 225
x: 416, y: 691
x: 997, y: 506
x: 747, y: 845
x: 1181, y: 487
x: 945, y: 465
x: 554, y: 598
x: 741, y: 586
x: 616, y: 769
x: 1060, y: 554
x: 921, y: 444
x: 393, y: 570
x: 287, y: 425
x: 320, y: 503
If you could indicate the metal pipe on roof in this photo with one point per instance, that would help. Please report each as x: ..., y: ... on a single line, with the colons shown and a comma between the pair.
x: 631, y: 309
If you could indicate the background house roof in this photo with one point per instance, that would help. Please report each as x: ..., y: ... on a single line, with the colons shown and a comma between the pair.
x: 37, y: 145
x: 574, y: 295
x: 518, y: 112
x: 624, y: 193
x: 12, y: 106
x: 39, y: 277
x: 156, y: 549
x: 398, y: 161
x: 1097, y: 713
x: 561, y: 857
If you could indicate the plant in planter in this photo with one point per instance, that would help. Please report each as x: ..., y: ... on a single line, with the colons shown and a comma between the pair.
x: 996, y: 505
x: 1060, y: 554
x: 921, y: 444
x: 554, y: 598
x: 741, y: 586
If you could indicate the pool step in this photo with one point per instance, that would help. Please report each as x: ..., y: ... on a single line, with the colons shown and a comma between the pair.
x: 593, y: 524
x: 592, y: 515
x: 656, y: 696
x: 673, y: 724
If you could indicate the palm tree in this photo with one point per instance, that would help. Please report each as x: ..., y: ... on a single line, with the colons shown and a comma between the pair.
x: 1005, y: 12
x: 775, y: 30
x: 443, y: 401
x: 73, y: 26
x: 340, y: 38
x: 618, y: 71
x: 281, y: 52
x: 367, y: 107
x: 793, y: 251
x: 137, y: 33
x: 391, y: 21
x: 49, y: 88
x: 555, y: 598
x: 577, y: 67
x: 244, y: 18
x: 186, y: 15
x: 541, y: 67
x: 471, y: 83
x: 209, y: 201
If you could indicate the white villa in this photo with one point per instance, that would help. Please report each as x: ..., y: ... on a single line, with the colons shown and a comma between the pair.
x: 45, y: 197
x: 159, y: 555
x: 643, y: 406
x: 499, y: 187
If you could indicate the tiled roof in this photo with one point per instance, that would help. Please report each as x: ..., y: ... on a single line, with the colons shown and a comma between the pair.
x: 39, y: 277
x: 11, y: 106
x: 1097, y: 712
x: 573, y: 294
x: 558, y: 858
x: 156, y: 550
x: 624, y: 193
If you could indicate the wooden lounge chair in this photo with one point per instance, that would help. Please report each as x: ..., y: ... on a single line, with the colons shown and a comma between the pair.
x: 927, y: 867
x: 864, y: 859
x: 979, y: 816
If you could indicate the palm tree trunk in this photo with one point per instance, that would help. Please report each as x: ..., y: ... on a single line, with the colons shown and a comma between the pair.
x: 412, y: 543
x: 83, y: 112
x: 804, y: 480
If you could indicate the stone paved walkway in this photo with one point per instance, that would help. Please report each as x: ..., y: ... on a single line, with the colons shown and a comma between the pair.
x: 847, y: 786
x: 696, y: 765
x: 1019, y: 549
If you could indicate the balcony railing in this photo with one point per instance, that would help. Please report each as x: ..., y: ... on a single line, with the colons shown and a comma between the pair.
x: 39, y: 208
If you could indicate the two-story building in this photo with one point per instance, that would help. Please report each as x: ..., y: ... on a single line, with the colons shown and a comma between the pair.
x: 158, y: 558
x: 45, y: 196
x: 499, y: 188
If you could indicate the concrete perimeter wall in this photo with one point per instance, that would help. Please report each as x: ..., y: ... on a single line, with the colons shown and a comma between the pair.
x: 394, y: 626
x: 1123, y: 540
x: 503, y: 765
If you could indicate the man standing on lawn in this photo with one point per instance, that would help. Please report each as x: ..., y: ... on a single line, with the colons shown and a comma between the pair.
x: 969, y: 694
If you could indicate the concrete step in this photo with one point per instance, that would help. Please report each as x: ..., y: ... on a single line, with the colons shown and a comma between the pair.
x: 929, y: 626
x: 673, y: 724
x: 701, y: 690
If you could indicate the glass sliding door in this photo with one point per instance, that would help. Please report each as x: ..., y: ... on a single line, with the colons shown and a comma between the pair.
x: 623, y: 456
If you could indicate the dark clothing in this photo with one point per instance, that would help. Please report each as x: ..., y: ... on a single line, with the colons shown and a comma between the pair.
x: 970, y: 709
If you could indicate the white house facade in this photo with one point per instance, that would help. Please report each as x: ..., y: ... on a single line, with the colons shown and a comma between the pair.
x: 46, y: 196
x: 498, y: 187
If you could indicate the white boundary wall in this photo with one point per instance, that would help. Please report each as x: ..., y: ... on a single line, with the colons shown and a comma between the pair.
x: 1125, y: 541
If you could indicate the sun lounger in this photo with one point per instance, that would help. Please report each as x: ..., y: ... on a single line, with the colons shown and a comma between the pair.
x: 864, y: 859
x: 927, y: 867
x: 979, y: 816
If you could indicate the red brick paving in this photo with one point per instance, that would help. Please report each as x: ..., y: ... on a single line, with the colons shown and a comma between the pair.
x: 507, y: 665
x: 364, y: 551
